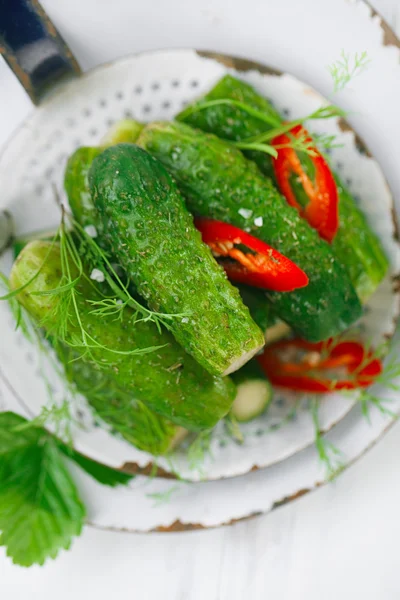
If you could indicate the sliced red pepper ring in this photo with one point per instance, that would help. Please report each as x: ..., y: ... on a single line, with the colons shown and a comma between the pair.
x: 320, y: 367
x: 322, y: 210
x: 262, y: 267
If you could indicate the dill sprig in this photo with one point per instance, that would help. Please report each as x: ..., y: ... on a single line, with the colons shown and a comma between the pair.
x: 161, y: 498
x: 233, y: 429
x: 98, y: 258
x: 325, y: 141
x: 199, y: 450
x: 54, y: 416
x: 324, y: 112
x: 64, y: 321
x: 348, y: 67
x: 329, y: 455
x: 302, y: 143
x: 263, y: 116
x: 387, y: 380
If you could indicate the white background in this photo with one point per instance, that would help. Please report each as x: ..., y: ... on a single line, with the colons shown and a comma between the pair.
x: 341, y: 541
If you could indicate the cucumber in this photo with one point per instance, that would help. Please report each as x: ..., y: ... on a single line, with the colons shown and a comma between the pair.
x: 77, y: 186
x: 254, y: 393
x: 126, y: 130
x: 139, y: 425
x: 76, y: 182
x: 219, y: 182
x: 277, y: 330
x: 167, y: 380
x: 357, y: 246
x: 355, y: 243
x: 258, y: 305
x: 151, y: 234
x: 261, y: 312
x: 20, y: 243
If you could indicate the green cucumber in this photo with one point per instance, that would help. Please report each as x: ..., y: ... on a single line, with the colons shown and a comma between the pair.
x: 355, y: 243
x: 254, y: 392
x: 76, y: 173
x: 357, y: 246
x: 260, y: 309
x: 124, y: 131
x: 151, y: 234
x: 258, y: 305
x: 220, y: 183
x: 21, y: 242
x: 77, y: 186
x: 167, y: 380
x: 132, y: 419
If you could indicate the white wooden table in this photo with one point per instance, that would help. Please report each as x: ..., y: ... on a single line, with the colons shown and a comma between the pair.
x: 339, y: 542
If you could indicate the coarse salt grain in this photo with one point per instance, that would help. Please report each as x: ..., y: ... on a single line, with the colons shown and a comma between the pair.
x: 91, y: 231
x: 97, y: 275
x: 245, y: 213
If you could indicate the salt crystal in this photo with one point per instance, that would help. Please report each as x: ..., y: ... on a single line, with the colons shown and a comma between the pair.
x: 245, y: 213
x: 97, y: 275
x: 258, y: 221
x: 91, y: 231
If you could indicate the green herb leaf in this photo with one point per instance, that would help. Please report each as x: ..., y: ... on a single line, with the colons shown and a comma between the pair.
x: 262, y: 116
x: 40, y: 510
x: 101, y: 473
x: 348, y: 67
x: 330, y: 456
x: 163, y: 497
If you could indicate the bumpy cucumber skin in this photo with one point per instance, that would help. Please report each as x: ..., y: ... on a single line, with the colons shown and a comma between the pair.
x: 151, y: 233
x: 219, y: 182
x: 167, y: 380
x: 355, y: 244
x: 150, y: 433
x: 76, y: 173
x: 77, y: 186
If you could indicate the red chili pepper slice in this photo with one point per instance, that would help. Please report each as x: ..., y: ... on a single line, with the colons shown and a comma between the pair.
x: 263, y: 267
x: 322, y: 210
x: 319, y: 367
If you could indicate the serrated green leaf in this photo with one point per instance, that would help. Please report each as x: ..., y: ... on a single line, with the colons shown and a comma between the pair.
x: 103, y: 474
x: 40, y: 510
x: 9, y: 440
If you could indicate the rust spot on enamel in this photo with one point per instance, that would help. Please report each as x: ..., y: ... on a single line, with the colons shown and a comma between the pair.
x: 360, y: 144
x: 150, y: 469
x: 389, y: 37
x: 239, y: 64
x: 288, y: 499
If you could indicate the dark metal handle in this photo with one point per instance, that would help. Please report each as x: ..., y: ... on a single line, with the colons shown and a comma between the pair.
x: 33, y: 48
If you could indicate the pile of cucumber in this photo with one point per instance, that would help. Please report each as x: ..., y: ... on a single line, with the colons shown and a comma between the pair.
x: 136, y: 195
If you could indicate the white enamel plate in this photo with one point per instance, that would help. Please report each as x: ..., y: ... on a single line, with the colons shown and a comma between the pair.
x: 156, y: 86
